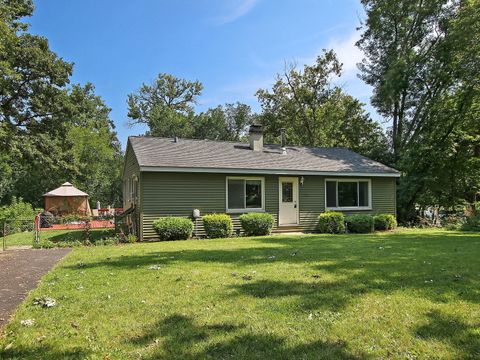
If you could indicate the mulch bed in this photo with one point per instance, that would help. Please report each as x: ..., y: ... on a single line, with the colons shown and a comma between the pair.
x: 20, y: 271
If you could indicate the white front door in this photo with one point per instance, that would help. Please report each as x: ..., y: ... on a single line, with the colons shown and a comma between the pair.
x: 288, y: 201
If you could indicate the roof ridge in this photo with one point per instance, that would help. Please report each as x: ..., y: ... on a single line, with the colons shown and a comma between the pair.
x: 239, y: 142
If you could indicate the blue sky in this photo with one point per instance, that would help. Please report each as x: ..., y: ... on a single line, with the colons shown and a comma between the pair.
x: 234, y: 47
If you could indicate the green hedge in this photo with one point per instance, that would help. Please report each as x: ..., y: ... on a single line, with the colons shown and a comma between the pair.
x: 173, y: 228
x: 218, y: 225
x: 331, y: 222
x: 384, y: 222
x: 360, y: 223
x: 257, y: 224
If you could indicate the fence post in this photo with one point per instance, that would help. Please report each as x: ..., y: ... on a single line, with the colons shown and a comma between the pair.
x: 36, y: 231
x: 4, y: 236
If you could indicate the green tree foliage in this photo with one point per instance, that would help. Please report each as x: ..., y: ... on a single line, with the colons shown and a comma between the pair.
x: 167, y: 108
x: 47, y: 127
x: 422, y: 59
x: 314, y: 112
x: 95, y: 149
x: 32, y: 79
x: 229, y: 122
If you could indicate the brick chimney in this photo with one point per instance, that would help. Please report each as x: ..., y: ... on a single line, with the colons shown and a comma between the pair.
x: 255, y: 134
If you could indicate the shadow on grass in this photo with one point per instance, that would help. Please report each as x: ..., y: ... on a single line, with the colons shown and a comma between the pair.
x: 43, y: 352
x: 76, y: 235
x: 176, y: 336
x: 445, y: 327
x: 334, y: 269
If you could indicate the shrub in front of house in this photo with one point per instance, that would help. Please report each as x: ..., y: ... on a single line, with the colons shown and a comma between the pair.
x: 331, y: 222
x: 384, y: 222
x: 257, y: 224
x: 360, y: 224
x: 173, y: 228
x: 218, y: 225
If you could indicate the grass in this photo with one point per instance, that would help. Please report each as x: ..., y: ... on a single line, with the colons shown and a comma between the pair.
x: 408, y: 294
x: 26, y: 238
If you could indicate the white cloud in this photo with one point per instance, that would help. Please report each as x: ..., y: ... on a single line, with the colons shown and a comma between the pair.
x: 240, y: 8
x: 348, y: 54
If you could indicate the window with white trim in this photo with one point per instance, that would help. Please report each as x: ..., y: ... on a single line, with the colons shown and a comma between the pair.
x: 245, y: 194
x: 348, y: 194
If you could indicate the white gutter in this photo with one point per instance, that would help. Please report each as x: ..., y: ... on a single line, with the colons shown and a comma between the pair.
x: 265, y: 172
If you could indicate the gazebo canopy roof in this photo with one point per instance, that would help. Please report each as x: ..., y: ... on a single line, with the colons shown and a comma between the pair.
x: 66, y: 189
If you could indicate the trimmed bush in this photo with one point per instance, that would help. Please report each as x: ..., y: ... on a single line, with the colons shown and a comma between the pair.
x: 218, y: 225
x: 385, y: 222
x: 331, y: 222
x: 173, y: 228
x: 360, y: 224
x: 257, y: 224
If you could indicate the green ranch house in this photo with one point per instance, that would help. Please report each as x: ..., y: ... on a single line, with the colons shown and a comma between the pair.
x: 174, y: 177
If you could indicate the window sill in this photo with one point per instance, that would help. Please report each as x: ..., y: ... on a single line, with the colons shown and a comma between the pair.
x: 352, y: 208
x: 242, y: 211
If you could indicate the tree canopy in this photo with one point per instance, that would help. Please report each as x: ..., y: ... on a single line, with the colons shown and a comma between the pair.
x: 50, y: 131
x: 315, y: 112
x: 167, y: 108
x: 422, y: 59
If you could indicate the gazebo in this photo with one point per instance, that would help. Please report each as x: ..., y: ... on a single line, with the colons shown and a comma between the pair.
x: 66, y: 200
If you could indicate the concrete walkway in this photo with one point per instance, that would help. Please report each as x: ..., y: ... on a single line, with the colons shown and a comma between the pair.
x: 20, y: 271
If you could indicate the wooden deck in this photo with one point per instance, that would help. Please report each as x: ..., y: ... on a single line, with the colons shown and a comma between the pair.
x: 94, y: 224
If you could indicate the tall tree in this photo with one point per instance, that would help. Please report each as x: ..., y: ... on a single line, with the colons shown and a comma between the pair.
x: 166, y: 106
x: 46, y: 126
x: 314, y: 112
x: 87, y: 153
x: 422, y: 61
x: 32, y: 79
x: 228, y: 122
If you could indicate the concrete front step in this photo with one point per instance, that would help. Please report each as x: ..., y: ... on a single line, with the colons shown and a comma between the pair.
x: 287, y: 229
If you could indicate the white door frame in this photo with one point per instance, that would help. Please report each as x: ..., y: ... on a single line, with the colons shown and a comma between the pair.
x: 295, y: 198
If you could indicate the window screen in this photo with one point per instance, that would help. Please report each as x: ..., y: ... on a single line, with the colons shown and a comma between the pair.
x: 244, y: 194
x: 236, y: 194
x: 347, y: 194
x: 363, y: 193
x: 253, y: 190
x: 331, y: 194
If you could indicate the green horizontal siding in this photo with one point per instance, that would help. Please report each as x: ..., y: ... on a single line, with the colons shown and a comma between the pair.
x: 130, y: 168
x: 177, y: 194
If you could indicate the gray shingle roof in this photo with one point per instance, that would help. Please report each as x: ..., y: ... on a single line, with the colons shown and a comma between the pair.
x: 208, y: 155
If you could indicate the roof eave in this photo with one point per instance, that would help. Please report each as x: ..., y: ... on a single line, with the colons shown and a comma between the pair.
x: 266, y: 171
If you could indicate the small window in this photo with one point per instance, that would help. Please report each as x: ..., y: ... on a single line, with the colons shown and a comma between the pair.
x: 287, y: 192
x: 244, y: 194
x: 347, y: 194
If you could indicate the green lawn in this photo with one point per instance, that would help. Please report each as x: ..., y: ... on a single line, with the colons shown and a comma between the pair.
x: 409, y: 294
x: 26, y: 238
